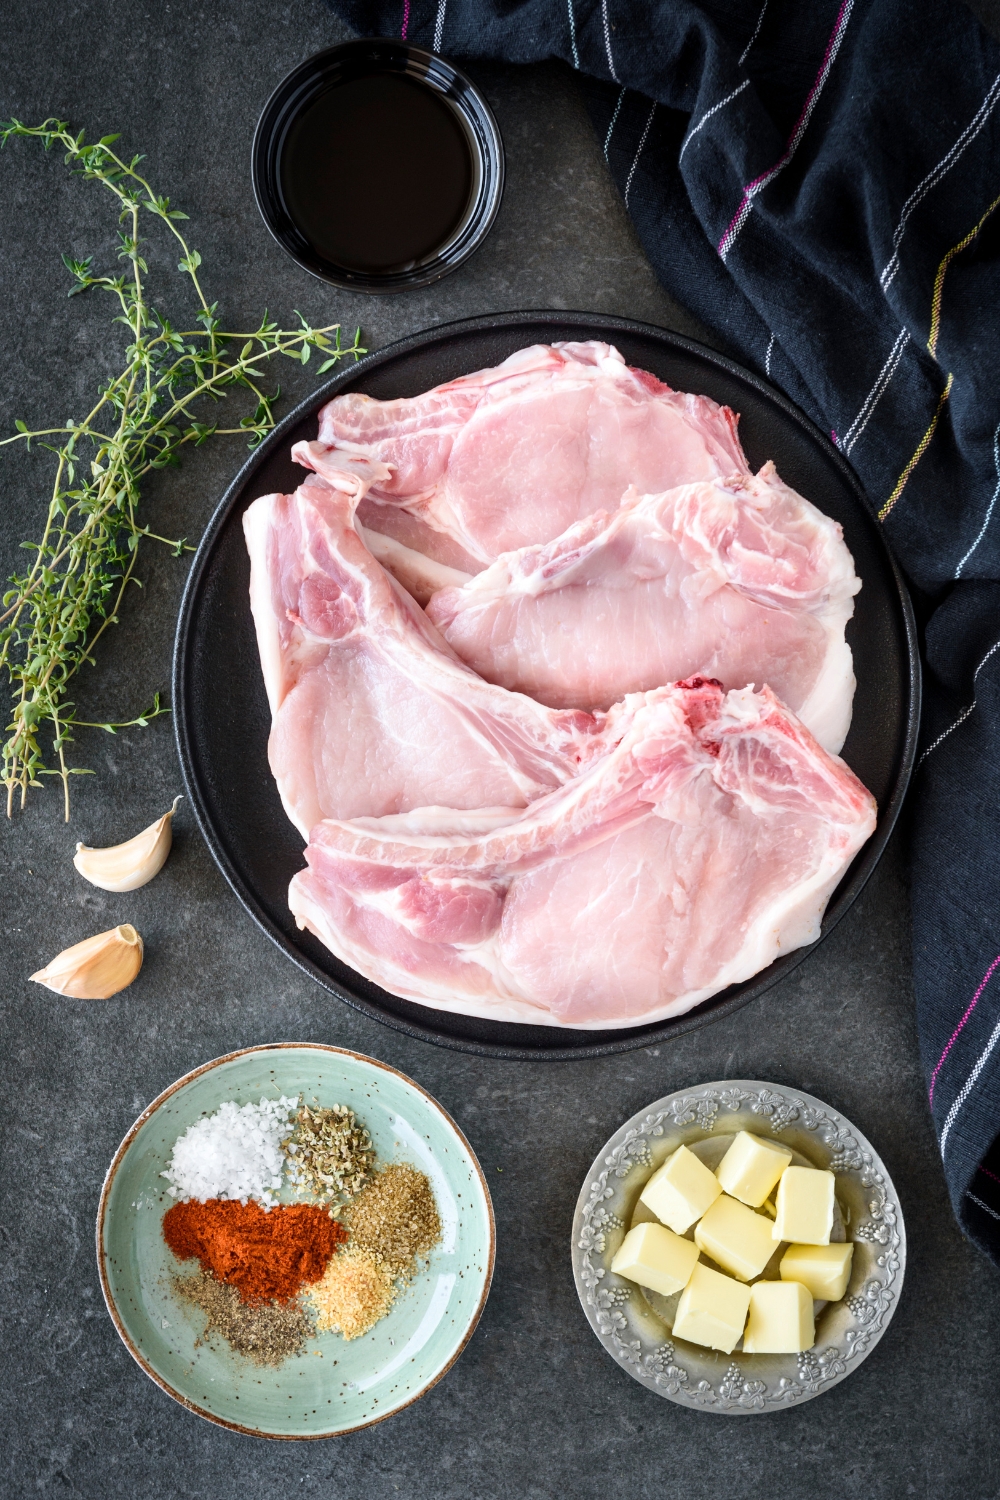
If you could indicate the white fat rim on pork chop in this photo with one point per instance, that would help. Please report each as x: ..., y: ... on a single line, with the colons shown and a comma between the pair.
x: 791, y: 921
x: 794, y: 921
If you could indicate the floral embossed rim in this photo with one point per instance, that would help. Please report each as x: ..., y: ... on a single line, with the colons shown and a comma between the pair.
x: 674, y: 1373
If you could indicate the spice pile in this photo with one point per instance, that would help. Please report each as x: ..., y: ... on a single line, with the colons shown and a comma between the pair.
x: 266, y: 1335
x: 235, y: 1153
x: 330, y: 1154
x: 393, y: 1225
x: 271, y: 1274
x: 268, y: 1255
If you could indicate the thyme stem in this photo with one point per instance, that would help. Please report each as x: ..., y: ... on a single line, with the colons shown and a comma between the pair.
x: 54, y: 614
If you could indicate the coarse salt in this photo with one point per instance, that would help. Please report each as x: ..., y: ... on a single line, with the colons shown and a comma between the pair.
x: 233, y: 1154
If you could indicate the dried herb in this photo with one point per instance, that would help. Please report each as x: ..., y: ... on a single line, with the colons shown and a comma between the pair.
x: 330, y: 1154
x: 264, y: 1333
x: 55, y: 613
x: 395, y: 1219
x: 393, y: 1223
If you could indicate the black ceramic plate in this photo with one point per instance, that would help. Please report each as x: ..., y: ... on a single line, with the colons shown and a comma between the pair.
x: 222, y: 718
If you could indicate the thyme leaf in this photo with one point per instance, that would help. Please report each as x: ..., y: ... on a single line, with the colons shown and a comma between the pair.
x: 55, y: 613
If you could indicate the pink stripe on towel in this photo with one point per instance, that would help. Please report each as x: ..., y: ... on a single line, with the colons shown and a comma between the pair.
x: 954, y: 1036
x: 753, y: 188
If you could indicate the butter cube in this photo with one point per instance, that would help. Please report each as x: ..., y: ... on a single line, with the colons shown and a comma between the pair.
x: 751, y: 1167
x: 712, y: 1310
x: 656, y: 1257
x: 824, y: 1269
x: 735, y: 1237
x: 805, y: 1206
x: 781, y: 1318
x: 680, y: 1191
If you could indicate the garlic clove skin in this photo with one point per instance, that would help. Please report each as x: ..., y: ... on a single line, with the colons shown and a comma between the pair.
x: 125, y: 867
x: 97, y: 968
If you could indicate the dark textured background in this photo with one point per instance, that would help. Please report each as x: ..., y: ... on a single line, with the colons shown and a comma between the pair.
x: 534, y: 1408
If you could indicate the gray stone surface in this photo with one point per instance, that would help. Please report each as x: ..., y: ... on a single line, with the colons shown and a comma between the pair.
x: 534, y: 1408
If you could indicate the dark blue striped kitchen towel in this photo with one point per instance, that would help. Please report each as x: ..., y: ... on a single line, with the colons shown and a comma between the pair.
x: 820, y: 183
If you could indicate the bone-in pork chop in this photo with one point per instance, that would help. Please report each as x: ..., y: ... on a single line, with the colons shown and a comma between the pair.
x: 738, y: 579
x: 697, y: 849
x: 372, y: 712
x: 511, y: 457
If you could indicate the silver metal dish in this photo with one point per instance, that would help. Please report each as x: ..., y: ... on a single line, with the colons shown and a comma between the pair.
x: 635, y: 1326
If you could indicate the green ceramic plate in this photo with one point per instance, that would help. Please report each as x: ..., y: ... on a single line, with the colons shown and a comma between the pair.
x: 336, y: 1386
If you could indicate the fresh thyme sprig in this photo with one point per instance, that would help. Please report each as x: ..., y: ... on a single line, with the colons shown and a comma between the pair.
x: 54, y: 614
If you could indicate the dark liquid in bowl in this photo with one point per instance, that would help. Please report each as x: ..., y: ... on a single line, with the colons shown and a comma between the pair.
x: 377, y: 173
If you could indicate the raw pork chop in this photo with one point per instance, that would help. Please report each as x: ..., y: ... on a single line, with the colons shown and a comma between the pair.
x: 372, y: 712
x: 511, y: 457
x: 738, y: 579
x: 687, y: 858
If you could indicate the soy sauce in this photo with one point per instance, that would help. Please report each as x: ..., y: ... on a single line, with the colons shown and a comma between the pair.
x: 377, y: 173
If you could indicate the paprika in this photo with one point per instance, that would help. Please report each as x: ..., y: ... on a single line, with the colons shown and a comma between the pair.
x: 266, y: 1254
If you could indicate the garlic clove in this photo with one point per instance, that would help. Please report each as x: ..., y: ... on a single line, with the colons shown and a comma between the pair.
x: 125, y: 867
x: 97, y: 968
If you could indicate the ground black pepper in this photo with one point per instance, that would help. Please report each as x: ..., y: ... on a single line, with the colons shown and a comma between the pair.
x: 265, y: 1333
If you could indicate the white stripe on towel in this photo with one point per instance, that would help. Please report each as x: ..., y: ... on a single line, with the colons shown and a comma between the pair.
x: 933, y: 177
x: 996, y: 492
x: 708, y: 115
x: 965, y: 711
x: 439, y: 25
x: 642, y: 142
x: 968, y: 1086
x: 877, y: 391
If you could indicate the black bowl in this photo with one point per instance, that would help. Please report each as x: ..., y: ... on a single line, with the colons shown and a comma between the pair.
x: 222, y: 718
x: 305, y: 84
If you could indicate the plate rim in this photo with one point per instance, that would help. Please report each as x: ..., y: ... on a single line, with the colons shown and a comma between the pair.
x: 618, y: 1040
x: 783, y: 1094
x: 119, y: 1157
